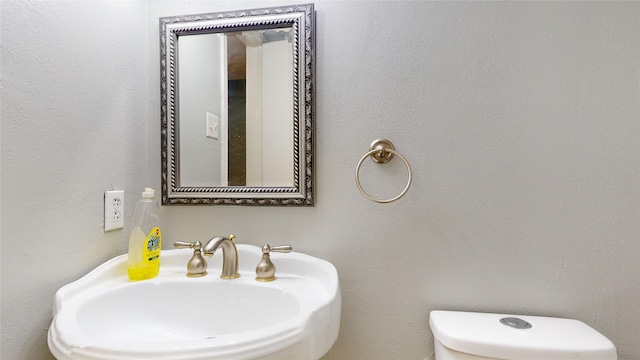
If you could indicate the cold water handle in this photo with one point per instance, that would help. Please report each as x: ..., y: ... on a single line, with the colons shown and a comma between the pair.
x: 266, y: 271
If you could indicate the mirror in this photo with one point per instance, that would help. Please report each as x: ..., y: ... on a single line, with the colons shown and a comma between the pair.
x: 237, y: 107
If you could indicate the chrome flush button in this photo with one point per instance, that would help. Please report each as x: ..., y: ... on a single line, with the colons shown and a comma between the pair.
x: 516, y: 323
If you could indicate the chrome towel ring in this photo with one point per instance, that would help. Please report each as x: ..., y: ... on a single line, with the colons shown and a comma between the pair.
x: 382, y: 151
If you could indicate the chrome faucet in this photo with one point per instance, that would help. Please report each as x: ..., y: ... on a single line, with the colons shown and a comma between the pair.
x: 229, y: 255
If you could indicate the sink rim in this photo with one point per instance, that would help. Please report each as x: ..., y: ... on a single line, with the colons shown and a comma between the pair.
x: 187, y: 314
x: 112, y: 275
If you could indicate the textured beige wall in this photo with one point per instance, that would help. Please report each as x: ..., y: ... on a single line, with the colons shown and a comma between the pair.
x: 520, y: 120
x: 74, y: 124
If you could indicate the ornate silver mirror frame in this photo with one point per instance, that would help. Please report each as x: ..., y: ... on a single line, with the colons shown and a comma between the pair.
x: 300, y: 18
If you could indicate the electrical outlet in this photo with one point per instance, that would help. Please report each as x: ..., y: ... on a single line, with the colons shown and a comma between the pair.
x: 113, y: 210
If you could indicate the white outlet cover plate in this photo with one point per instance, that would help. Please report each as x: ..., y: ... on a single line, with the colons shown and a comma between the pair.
x: 113, y: 210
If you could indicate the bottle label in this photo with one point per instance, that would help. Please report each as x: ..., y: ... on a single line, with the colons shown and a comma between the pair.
x: 152, y: 246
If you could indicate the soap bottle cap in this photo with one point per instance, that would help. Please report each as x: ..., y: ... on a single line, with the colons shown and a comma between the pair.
x: 148, y: 193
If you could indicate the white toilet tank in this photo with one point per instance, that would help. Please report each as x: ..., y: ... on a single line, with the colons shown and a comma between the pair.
x: 475, y: 336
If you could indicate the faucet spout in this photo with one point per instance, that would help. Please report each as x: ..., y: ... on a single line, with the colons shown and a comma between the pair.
x: 229, y: 255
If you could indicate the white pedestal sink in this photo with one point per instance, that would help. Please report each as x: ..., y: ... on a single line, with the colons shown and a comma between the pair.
x: 105, y: 316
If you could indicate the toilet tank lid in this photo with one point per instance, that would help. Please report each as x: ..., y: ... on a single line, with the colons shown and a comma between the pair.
x: 482, y: 334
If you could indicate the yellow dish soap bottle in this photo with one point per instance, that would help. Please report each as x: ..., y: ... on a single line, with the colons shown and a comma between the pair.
x: 145, y: 241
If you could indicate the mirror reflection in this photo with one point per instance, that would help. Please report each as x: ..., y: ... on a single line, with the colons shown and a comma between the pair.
x: 236, y: 123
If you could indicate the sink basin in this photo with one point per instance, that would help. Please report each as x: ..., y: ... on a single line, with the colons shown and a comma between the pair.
x: 105, y: 316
